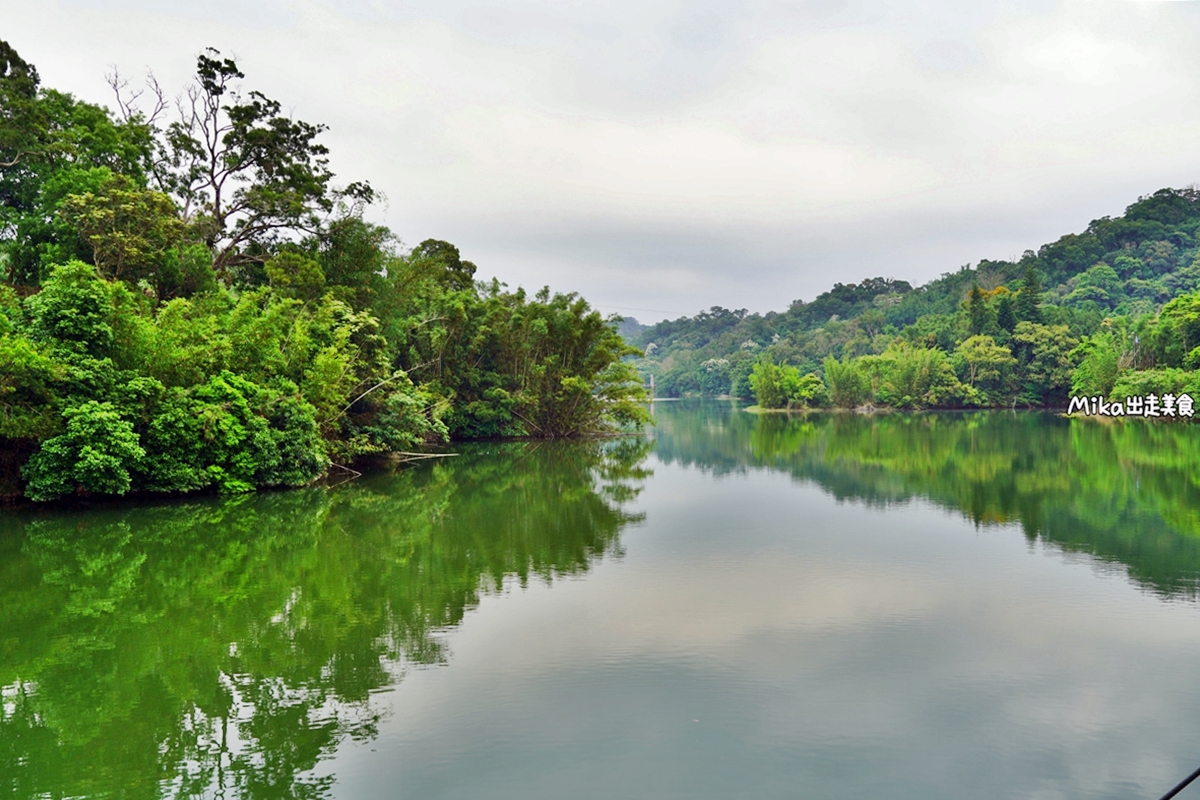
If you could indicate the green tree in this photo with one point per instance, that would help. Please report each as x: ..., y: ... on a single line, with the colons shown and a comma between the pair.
x: 295, y: 275
x: 29, y: 379
x: 234, y: 435
x: 572, y: 376
x: 987, y: 363
x: 185, y: 271
x: 1098, y: 359
x: 42, y: 237
x: 772, y: 383
x: 848, y: 386
x: 809, y: 391
x: 1164, y: 380
x: 95, y: 453
x: 354, y: 256
x: 74, y: 310
x: 243, y: 172
x: 978, y: 313
x: 1028, y: 307
x: 1099, y: 284
x: 19, y: 113
x: 52, y: 145
x: 129, y: 229
x: 1176, y: 332
x: 455, y: 273
x: 916, y: 377
x: 1006, y: 317
x: 1047, y: 364
x: 782, y: 385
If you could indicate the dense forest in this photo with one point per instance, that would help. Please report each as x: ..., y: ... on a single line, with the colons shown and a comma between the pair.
x: 190, y: 301
x: 1112, y: 312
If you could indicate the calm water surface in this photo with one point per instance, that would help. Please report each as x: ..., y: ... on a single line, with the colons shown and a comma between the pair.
x: 927, y: 606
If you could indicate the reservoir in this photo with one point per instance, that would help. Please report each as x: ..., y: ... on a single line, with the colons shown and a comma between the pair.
x: 950, y: 605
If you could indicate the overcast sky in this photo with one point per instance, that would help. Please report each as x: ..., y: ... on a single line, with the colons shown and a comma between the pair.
x: 662, y: 157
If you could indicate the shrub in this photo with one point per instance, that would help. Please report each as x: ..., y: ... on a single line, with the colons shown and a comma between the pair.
x: 73, y: 310
x: 234, y: 435
x: 848, y: 385
x: 94, y: 454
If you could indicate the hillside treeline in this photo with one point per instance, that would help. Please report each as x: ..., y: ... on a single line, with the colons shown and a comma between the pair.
x: 190, y: 301
x: 1112, y: 312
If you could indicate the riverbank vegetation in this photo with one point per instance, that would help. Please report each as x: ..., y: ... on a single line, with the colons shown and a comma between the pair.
x: 191, y: 302
x: 1110, y: 312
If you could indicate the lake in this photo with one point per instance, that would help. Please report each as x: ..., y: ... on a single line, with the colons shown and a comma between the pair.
x: 982, y: 605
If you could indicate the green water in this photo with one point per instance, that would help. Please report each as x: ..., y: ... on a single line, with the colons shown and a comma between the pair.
x: 928, y: 606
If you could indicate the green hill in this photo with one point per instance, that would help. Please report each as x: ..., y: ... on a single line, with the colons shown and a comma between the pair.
x: 1106, y: 285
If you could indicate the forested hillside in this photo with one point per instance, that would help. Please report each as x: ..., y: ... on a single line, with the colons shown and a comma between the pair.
x: 1110, y: 312
x: 190, y: 301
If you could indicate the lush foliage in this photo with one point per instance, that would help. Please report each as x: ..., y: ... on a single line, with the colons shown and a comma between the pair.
x: 1084, y: 314
x: 776, y: 386
x: 195, y: 304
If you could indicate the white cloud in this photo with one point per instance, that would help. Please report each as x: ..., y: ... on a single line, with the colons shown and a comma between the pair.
x: 663, y: 156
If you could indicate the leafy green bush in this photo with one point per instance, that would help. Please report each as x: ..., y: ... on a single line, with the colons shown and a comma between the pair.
x: 782, y: 386
x: 849, y: 387
x: 1177, y: 332
x: 986, y: 367
x: 28, y: 381
x: 1166, y: 380
x: 772, y: 383
x: 73, y: 310
x: 1098, y: 365
x: 234, y: 435
x: 1046, y: 362
x: 915, y: 377
x: 96, y: 453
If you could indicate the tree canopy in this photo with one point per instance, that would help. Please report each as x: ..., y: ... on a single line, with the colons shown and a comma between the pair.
x: 195, y: 304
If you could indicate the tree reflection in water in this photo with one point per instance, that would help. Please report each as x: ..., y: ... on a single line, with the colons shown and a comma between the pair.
x: 227, y: 645
x: 1123, y: 491
x: 230, y: 646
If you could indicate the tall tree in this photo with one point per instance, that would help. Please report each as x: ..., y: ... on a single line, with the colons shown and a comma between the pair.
x: 458, y: 274
x: 244, y: 174
x: 1029, y: 297
x: 128, y: 228
x: 18, y: 107
x: 52, y: 145
x: 986, y: 362
x: 1046, y: 353
x: 977, y: 310
x: 1006, y: 318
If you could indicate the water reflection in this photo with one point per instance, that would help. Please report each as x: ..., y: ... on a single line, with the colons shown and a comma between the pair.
x: 226, y: 646
x: 758, y: 639
x: 1125, y: 492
